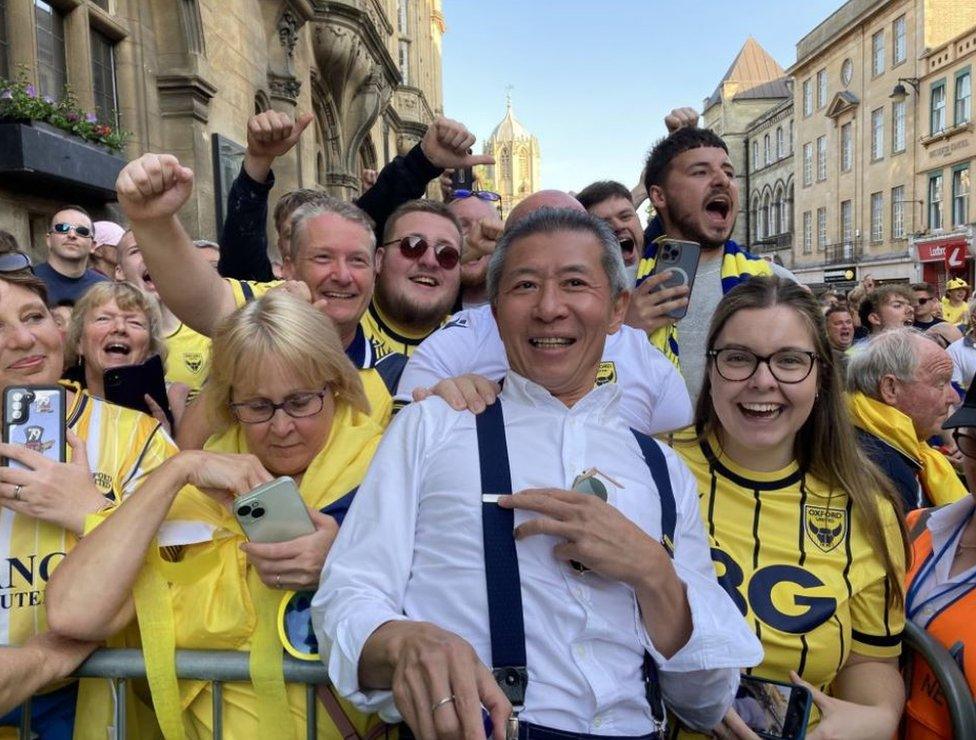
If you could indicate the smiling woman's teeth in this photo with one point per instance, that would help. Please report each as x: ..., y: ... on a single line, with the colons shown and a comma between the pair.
x: 760, y: 409
x: 551, y: 342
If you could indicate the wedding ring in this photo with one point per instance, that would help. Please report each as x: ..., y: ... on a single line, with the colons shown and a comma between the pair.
x: 442, y: 702
x: 17, y: 492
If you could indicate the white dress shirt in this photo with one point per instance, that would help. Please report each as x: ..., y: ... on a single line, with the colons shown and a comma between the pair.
x: 411, y: 548
x: 943, y: 524
x: 654, y: 397
x: 963, y: 354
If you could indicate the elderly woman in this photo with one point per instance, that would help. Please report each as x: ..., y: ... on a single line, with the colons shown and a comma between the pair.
x: 291, y: 404
x: 805, y: 533
x: 942, y: 585
x: 46, y: 503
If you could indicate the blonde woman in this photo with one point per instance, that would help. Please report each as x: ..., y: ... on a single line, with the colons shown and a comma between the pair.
x: 290, y: 403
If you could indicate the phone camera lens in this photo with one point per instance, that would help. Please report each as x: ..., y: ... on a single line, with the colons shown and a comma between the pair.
x: 17, y: 406
x: 18, y: 396
x: 244, y: 510
x: 257, y: 512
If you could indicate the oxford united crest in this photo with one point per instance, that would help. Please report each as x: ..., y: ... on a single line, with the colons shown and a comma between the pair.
x: 826, y: 527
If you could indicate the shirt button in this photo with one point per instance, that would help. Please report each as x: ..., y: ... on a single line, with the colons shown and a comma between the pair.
x: 598, y: 721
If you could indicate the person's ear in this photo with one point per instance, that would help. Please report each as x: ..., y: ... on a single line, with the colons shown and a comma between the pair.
x: 888, y: 389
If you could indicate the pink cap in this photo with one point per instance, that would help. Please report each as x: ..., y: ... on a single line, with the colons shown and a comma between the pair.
x: 107, y: 232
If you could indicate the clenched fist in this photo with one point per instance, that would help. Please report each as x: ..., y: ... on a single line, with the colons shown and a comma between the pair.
x: 155, y: 186
x: 446, y: 144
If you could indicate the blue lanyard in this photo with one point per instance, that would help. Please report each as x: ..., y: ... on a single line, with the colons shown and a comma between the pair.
x: 929, y: 568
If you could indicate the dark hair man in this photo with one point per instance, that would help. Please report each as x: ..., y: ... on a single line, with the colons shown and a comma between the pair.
x: 840, y: 327
x: 691, y: 183
x: 613, y: 203
x: 925, y: 306
x: 70, y: 240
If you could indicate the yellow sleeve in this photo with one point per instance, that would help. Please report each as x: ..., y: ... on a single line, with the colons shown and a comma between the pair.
x: 157, y: 448
x: 245, y: 290
x: 876, y: 622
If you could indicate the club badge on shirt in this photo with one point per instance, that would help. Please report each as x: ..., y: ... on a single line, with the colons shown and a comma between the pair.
x: 607, y: 373
x: 825, y: 527
x: 193, y: 361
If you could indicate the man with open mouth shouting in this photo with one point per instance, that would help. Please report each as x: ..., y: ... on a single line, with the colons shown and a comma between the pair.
x: 691, y: 183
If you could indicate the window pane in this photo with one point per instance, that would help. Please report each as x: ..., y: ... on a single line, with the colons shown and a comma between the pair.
x: 877, y: 133
x: 900, y: 51
x: 807, y: 232
x: 4, y: 44
x: 103, y: 4
x: 846, y: 147
x: 938, y: 118
x: 964, y: 98
x: 821, y: 227
x: 960, y: 197
x: 821, y: 158
x: 807, y: 164
x: 405, y: 61
x: 935, y: 202
x: 403, y: 17
x: 807, y: 98
x: 877, y: 53
x: 821, y: 88
x: 103, y: 78
x: 898, y: 126
x: 898, y: 212
x: 50, y: 50
x: 780, y: 144
x: 846, y: 221
x: 877, y: 216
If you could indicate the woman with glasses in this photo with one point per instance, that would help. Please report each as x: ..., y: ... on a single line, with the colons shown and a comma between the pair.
x: 45, y: 504
x: 290, y: 404
x: 805, y: 534
x: 941, y: 596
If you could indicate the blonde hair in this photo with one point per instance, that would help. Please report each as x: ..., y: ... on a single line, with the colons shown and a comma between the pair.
x: 826, y: 445
x: 279, y: 329
x: 128, y: 298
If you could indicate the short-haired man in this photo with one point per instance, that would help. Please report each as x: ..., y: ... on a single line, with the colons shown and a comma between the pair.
x: 187, y: 351
x: 955, y: 310
x: 331, y: 262
x: 925, y: 307
x: 477, y: 213
x: 887, y: 307
x: 611, y: 201
x: 900, y: 393
x: 691, y: 183
x: 408, y: 624
x: 272, y: 134
x: 654, y: 399
x: 840, y: 327
x: 70, y: 239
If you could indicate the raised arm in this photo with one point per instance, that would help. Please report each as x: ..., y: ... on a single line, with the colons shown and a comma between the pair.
x: 151, y: 191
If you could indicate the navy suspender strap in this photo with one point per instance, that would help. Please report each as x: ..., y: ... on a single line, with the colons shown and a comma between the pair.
x: 246, y: 291
x: 501, y: 559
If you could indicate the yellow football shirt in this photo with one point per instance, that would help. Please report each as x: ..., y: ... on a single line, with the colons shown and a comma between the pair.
x: 123, y: 446
x: 187, y: 358
x: 796, y: 561
x: 955, y: 314
x: 390, y: 338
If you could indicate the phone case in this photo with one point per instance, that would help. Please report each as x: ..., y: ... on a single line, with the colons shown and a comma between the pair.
x: 127, y: 385
x: 681, y: 258
x: 273, y: 512
x: 34, y: 416
x: 784, y: 706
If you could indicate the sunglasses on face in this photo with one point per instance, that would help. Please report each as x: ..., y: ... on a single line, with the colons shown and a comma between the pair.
x: 82, y: 231
x: 479, y: 194
x: 15, y: 262
x: 923, y: 301
x: 414, y: 247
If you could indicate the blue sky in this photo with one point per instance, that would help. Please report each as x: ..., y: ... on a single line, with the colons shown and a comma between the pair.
x: 593, y: 80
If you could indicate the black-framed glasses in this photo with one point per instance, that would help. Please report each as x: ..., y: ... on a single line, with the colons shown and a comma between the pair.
x: 82, y: 231
x: 413, y: 247
x: 296, y: 405
x: 488, y: 195
x: 15, y: 261
x: 787, y: 365
x: 965, y: 442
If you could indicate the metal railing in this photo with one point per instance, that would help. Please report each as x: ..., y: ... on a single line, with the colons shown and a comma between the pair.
x: 215, y: 666
x: 955, y: 688
x: 843, y: 253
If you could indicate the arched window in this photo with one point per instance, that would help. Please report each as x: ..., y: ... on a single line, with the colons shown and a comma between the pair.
x: 788, y: 209
x: 523, y: 165
x: 780, y: 143
x: 755, y: 218
x: 765, y: 217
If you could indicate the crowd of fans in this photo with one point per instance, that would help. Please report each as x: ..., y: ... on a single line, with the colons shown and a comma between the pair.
x: 540, y: 506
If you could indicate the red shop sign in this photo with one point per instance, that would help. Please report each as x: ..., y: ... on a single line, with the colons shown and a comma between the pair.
x: 939, y: 250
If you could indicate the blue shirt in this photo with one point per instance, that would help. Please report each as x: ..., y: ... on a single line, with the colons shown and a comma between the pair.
x: 62, y: 288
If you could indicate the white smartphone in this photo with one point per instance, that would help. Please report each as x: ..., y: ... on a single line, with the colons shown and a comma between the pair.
x: 273, y: 512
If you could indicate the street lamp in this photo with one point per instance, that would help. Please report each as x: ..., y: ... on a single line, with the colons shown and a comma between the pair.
x: 900, y: 93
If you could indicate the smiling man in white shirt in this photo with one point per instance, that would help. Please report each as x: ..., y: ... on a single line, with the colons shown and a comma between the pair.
x: 592, y: 596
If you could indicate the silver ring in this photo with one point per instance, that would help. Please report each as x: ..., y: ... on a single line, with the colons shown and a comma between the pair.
x: 442, y: 702
x: 17, y: 492
x: 278, y: 581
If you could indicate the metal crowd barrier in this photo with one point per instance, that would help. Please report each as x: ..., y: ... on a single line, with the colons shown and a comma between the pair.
x: 955, y: 688
x: 216, y: 666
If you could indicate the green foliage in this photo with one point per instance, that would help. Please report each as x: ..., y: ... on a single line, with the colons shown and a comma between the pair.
x: 19, y: 101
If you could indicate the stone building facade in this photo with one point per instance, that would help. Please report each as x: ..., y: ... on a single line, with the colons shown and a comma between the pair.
x: 856, y: 157
x: 184, y: 76
x: 945, y: 152
x: 769, y: 181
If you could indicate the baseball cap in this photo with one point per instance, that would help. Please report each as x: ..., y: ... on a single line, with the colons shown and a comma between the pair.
x: 107, y: 232
x: 955, y: 283
x: 965, y: 415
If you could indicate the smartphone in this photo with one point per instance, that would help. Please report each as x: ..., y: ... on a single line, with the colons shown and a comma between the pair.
x: 681, y: 258
x: 34, y: 416
x: 462, y: 178
x: 273, y: 512
x: 773, y: 710
x: 127, y: 385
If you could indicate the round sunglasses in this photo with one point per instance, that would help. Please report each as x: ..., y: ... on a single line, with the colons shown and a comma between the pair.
x: 413, y: 247
x: 480, y: 194
x: 82, y: 231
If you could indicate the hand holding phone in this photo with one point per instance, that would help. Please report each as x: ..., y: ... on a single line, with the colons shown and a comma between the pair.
x: 772, y: 709
x: 680, y: 260
x: 34, y: 417
x: 273, y: 512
